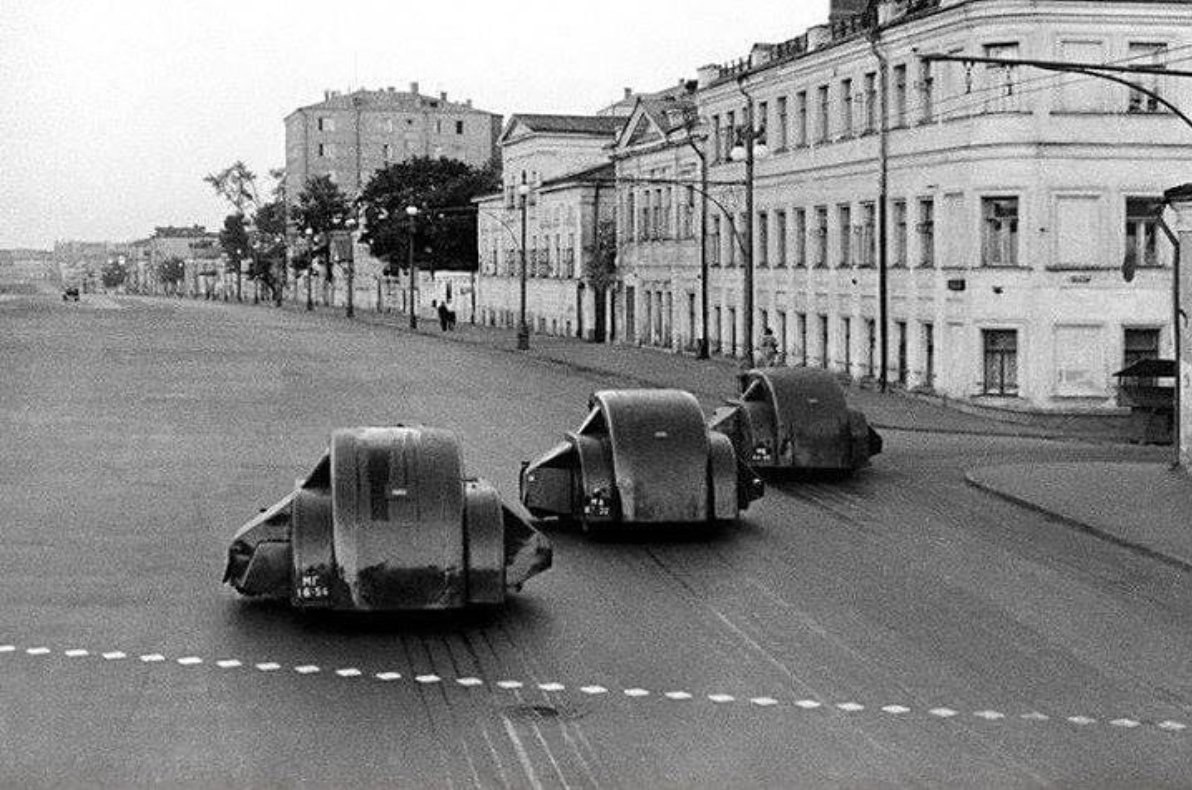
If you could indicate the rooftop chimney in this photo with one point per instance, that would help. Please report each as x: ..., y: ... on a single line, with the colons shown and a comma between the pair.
x: 443, y: 96
x: 629, y: 93
x: 414, y: 88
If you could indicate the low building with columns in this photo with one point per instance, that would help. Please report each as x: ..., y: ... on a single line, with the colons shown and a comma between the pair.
x: 555, y: 193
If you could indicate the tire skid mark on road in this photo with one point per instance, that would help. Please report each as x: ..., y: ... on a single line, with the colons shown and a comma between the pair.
x: 847, y: 707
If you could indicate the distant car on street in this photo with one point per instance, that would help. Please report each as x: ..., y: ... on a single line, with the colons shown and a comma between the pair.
x: 70, y: 293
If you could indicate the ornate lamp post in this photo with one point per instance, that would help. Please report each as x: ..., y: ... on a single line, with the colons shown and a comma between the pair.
x: 523, y: 329
x: 750, y: 146
x: 412, y: 212
x: 310, y: 267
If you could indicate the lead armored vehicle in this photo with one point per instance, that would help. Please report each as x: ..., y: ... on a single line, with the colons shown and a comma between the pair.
x: 640, y: 456
x: 387, y: 521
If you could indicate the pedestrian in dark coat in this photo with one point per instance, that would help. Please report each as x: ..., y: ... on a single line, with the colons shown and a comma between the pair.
x: 443, y: 316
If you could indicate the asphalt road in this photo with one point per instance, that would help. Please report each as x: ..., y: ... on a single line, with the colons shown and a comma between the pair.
x: 898, y: 629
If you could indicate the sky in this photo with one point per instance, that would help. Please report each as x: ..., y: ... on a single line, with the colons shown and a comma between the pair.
x: 112, y: 112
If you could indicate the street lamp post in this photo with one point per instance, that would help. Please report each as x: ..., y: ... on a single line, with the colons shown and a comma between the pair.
x: 523, y: 330
x: 752, y: 145
x: 310, y: 267
x: 412, y: 212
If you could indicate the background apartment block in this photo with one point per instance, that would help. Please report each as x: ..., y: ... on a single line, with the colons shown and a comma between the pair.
x: 349, y: 136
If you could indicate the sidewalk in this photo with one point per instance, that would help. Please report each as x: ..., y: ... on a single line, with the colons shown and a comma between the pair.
x: 1144, y: 506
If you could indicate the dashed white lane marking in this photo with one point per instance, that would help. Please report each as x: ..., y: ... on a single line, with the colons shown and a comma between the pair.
x: 1124, y: 723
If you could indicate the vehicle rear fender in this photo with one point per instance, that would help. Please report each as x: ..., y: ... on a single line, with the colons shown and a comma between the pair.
x: 722, y: 471
x: 484, y: 531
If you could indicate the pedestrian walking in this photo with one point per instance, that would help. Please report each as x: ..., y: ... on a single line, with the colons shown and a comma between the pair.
x: 769, y: 348
x: 443, y: 313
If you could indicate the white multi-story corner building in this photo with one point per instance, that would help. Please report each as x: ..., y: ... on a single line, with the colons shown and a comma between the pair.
x: 556, y: 180
x: 1013, y: 197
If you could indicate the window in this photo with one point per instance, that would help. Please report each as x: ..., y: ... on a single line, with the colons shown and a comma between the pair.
x: 1000, y: 81
x: 799, y: 231
x: 870, y: 348
x: 689, y: 213
x: 1139, y: 344
x: 326, y: 124
x: 801, y: 118
x: 780, y: 238
x: 716, y: 138
x: 846, y: 107
x: 780, y: 136
x: 900, y: 95
x: 1001, y: 361
x: 868, y: 241
x: 630, y: 215
x: 846, y: 341
x: 999, y: 231
x: 1145, y: 54
x: 667, y: 212
x: 902, y: 362
x: 801, y: 328
x: 459, y: 127
x: 899, y: 207
x: 871, y: 101
x: 323, y: 149
x: 713, y: 243
x: 821, y: 236
x: 928, y: 355
x: 822, y: 127
x: 823, y: 333
x: 385, y: 152
x: 1142, y: 231
x: 925, y: 96
x: 761, y: 118
x: 844, y: 227
x: 730, y: 135
x: 926, y: 228
x: 762, y: 245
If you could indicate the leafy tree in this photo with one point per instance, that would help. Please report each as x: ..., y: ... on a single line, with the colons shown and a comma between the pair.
x: 113, y: 274
x: 269, y: 245
x: 601, y: 269
x: 445, y: 228
x: 235, y: 184
x: 233, y: 239
x: 172, y: 272
x: 320, y: 204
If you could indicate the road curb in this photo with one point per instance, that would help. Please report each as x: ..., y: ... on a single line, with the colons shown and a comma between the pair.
x: 1075, y: 523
